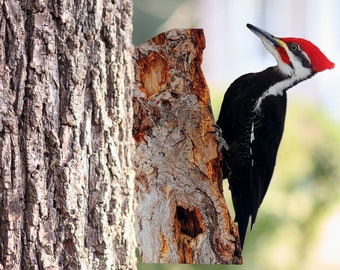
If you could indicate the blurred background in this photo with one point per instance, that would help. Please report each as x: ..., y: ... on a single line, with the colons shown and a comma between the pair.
x: 298, y: 225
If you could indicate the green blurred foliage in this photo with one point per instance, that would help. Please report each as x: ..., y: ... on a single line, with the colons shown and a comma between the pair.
x: 304, y: 192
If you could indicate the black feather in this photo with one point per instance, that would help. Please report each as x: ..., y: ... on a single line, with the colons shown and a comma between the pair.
x: 253, y: 137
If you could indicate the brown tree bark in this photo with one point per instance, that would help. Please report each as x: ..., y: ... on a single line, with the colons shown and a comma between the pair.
x: 182, y: 216
x: 66, y: 176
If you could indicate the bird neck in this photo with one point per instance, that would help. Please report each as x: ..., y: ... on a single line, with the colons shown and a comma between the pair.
x: 281, y: 82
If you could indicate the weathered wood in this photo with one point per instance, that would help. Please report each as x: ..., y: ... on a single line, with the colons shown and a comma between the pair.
x: 182, y: 216
x: 66, y: 175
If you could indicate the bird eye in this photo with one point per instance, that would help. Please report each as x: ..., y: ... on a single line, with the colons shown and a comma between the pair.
x: 294, y: 47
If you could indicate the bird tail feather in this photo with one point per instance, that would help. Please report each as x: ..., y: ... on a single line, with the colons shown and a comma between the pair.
x: 242, y: 228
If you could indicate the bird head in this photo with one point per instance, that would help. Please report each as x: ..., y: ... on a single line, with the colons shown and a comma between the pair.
x: 295, y: 56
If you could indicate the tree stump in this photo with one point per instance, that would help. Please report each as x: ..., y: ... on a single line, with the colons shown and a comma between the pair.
x: 182, y: 216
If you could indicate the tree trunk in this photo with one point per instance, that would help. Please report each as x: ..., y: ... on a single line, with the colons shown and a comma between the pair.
x: 66, y: 176
x: 182, y: 216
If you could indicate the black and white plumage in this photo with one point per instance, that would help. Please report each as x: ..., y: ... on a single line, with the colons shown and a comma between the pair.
x: 252, y: 118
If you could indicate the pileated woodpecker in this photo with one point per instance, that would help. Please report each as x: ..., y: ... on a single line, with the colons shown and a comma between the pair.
x: 252, y: 120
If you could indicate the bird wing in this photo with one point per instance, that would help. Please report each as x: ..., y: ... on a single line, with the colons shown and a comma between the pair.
x: 234, y: 108
x: 253, y: 138
x: 233, y: 114
x: 265, y: 140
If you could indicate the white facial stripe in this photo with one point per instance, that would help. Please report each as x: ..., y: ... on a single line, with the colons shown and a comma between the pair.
x: 300, y: 72
x: 285, y: 68
x: 295, y: 74
x: 274, y: 90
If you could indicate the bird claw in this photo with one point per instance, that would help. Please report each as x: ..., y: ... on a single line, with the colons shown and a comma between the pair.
x: 220, y: 140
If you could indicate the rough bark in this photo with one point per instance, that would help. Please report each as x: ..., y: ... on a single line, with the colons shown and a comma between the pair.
x: 66, y: 176
x: 182, y: 216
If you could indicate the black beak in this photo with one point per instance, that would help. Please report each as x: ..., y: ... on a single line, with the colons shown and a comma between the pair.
x: 263, y: 34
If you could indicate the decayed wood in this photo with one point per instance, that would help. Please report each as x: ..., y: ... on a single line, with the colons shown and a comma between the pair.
x: 66, y: 175
x: 182, y: 216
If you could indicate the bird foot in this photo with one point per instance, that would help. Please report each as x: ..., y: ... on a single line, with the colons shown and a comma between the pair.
x: 220, y: 140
